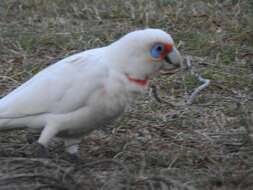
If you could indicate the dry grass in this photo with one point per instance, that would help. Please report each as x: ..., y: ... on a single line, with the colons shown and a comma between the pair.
x: 202, y: 146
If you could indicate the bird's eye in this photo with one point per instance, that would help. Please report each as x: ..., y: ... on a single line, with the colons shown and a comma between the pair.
x: 157, y: 50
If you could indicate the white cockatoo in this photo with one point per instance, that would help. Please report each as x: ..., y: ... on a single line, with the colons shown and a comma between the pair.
x: 84, y: 91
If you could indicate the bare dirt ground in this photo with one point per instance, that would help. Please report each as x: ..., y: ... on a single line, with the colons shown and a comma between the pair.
x: 205, y: 145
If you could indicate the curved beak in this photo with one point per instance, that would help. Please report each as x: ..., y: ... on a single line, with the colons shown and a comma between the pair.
x: 173, y: 59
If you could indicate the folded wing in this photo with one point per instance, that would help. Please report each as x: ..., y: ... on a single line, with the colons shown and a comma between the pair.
x: 60, y: 88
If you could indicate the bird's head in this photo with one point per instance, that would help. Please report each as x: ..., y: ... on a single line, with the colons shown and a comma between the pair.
x: 142, y: 53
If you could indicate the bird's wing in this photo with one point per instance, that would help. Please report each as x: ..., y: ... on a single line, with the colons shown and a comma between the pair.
x: 60, y: 88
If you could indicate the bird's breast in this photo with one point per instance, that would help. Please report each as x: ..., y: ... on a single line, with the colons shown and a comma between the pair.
x: 108, y: 102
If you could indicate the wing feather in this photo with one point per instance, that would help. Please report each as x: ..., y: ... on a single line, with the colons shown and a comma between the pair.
x: 60, y: 88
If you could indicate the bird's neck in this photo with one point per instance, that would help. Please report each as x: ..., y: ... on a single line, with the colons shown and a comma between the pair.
x: 120, y: 63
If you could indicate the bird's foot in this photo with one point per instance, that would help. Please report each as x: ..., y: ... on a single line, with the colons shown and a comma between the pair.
x: 31, y: 138
x: 37, y: 150
x: 73, y: 158
x: 32, y: 135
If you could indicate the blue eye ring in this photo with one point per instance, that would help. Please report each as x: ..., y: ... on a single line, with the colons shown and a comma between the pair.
x: 157, y: 50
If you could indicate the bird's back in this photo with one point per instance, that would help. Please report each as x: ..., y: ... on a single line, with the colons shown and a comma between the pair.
x: 60, y: 88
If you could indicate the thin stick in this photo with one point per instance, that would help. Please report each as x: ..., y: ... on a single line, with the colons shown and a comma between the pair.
x: 205, y: 82
x: 190, y: 100
x: 197, y: 90
x: 157, y: 97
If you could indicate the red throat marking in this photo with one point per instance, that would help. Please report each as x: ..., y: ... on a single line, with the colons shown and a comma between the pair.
x: 139, y: 82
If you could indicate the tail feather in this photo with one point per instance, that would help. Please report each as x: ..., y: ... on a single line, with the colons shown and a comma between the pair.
x: 20, y: 116
x: 7, y: 121
x: 11, y: 119
x: 10, y: 124
x: 5, y: 124
x: 19, y: 122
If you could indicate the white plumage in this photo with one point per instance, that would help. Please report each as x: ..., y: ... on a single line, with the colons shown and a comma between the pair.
x: 85, y: 91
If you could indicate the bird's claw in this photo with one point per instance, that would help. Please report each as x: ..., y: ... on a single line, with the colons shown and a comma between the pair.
x: 39, y: 150
x: 73, y: 158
